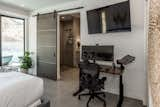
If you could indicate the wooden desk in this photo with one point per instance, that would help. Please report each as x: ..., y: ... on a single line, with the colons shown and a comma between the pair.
x: 110, y: 70
x: 115, y: 71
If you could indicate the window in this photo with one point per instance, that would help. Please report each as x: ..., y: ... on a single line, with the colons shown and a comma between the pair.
x: 12, y: 39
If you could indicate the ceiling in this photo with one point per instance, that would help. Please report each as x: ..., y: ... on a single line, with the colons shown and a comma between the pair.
x: 33, y: 4
x: 69, y: 17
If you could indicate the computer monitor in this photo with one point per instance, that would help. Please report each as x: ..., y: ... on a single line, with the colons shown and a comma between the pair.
x: 98, y: 53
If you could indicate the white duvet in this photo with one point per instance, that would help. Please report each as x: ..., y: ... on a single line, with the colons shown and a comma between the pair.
x: 19, y: 90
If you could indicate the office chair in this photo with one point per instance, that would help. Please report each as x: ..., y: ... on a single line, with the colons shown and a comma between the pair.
x: 89, y: 79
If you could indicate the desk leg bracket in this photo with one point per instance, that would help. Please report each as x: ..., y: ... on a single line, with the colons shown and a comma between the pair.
x: 121, y: 94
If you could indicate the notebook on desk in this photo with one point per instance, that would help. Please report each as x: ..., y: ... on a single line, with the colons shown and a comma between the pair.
x: 126, y: 60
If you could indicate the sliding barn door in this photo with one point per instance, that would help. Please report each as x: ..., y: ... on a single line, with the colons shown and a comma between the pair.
x: 46, y: 46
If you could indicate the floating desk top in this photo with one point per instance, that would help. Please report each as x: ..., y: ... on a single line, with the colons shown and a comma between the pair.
x: 110, y: 70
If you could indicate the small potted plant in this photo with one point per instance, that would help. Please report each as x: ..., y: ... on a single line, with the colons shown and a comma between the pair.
x: 26, y: 62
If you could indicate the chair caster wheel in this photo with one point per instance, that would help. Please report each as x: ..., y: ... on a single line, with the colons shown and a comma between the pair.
x: 79, y: 97
x: 104, y: 95
x: 87, y: 105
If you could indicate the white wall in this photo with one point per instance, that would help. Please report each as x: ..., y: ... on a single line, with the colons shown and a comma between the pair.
x: 133, y: 43
x: 33, y: 42
x: 13, y: 11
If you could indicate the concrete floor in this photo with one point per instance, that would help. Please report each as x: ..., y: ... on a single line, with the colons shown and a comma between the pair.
x: 60, y: 93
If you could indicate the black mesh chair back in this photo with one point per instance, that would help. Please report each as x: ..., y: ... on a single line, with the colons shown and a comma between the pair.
x: 89, y: 73
x: 89, y: 79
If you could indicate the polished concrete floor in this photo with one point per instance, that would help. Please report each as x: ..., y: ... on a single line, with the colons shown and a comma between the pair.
x: 60, y: 93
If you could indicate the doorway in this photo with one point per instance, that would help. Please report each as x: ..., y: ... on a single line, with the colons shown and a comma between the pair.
x: 69, y: 43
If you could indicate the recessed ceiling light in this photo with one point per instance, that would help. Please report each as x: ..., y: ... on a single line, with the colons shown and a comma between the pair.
x: 63, y: 17
x: 22, y: 5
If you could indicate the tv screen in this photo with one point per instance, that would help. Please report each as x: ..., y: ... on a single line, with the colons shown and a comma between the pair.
x: 113, y: 18
x: 94, y: 21
x: 118, y: 17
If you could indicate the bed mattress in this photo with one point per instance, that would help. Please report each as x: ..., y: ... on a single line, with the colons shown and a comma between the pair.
x: 19, y: 90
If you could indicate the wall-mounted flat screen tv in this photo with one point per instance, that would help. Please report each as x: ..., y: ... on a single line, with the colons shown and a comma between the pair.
x: 113, y: 18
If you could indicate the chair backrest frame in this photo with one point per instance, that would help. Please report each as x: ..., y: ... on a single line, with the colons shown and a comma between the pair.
x: 89, y: 75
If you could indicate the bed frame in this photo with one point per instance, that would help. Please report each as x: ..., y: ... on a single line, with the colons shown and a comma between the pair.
x: 44, y: 103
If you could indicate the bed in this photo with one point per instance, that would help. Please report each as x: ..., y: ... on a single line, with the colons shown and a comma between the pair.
x: 20, y: 90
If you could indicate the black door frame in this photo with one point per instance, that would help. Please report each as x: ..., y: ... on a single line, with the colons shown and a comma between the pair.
x: 24, y: 23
